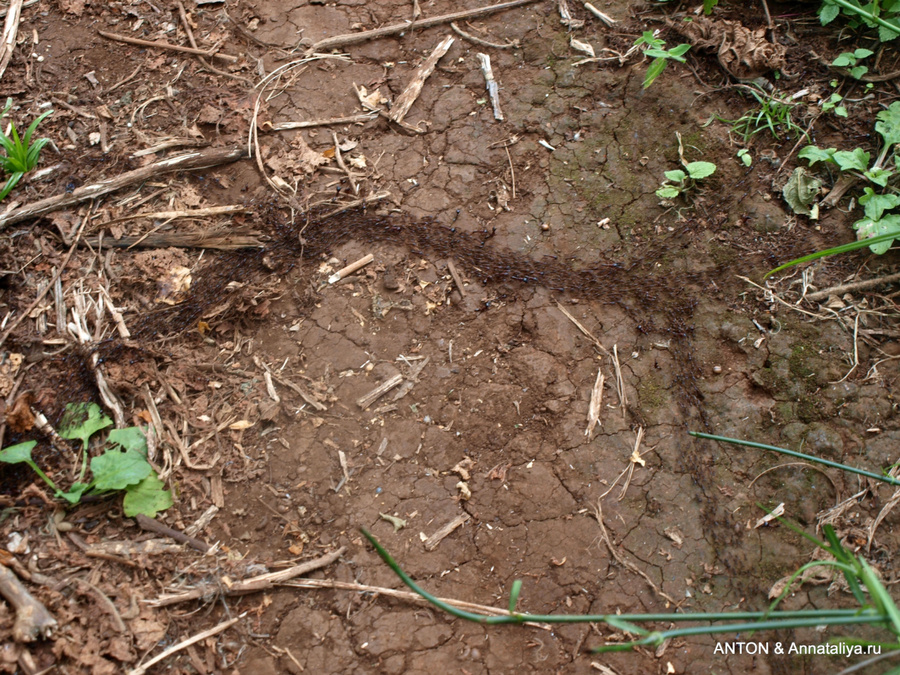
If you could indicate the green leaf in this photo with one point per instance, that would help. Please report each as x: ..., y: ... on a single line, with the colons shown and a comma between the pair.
x: 840, y: 111
x: 857, y: 159
x: 654, y: 70
x: 845, y: 59
x: 744, y: 155
x: 21, y: 453
x: 828, y: 12
x: 885, y: 226
x: 875, y: 204
x: 862, y: 52
x: 10, y: 184
x: 888, y: 124
x: 708, y: 6
x: 679, y: 51
x: 676, y: 176
x: 648, y: 38
x: 73, y: 496
x: 816, y: 154
x: 886, y: 34
x: 115, y: 470
x: 130, y: 438
x: 879, y: 176
x: 700, y: 170
x: 514, y: 595
x: 83, y: 420
x: 668, y: 192
x: 859, y: 71
x: 16, y: 454
x: 147, y: 497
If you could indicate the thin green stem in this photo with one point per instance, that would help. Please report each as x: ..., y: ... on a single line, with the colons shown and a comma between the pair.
x: 793, y: 453
x: 783, y: 619
x: 859, y: 11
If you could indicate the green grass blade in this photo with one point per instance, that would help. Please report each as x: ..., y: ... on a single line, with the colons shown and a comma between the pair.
x: 845, y: 248
x: 10, y: 184
x: 34, y: 125
x: 793, y: 453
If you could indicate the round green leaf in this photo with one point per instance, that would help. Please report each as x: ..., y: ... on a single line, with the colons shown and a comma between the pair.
x: 700, y: 170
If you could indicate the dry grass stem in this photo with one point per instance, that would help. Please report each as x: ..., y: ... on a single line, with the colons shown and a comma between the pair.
x: 595, y: 404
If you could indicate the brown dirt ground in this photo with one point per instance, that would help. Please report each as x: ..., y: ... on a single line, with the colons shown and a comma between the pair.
x: 493, y: 425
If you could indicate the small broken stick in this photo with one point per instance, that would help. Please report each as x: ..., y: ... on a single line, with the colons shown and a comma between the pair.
x: 152, y: 525
x: 32, y: 618
x: 379, y: 391
x: 432, y: 542
x: 491, y: 84
x: 350, y: 269
x: 411, y: 93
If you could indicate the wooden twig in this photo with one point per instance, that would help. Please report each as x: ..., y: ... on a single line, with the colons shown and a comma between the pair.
x: 190, y: 35
x: 379, y: 391
x: 223, y: 241
x: 456, y: 278
x: 854, y: 286
x: 32, y: 618
x: 366, y: 35
x: 215, y: 630
x: 199, y: 159
x: 493, y: 90
x: 185, y: 213
x: 152, y: 525
x: 350, y: 269
x: 432, y: 542
x: 339, y: 158
x: 318, y: 405
x: 286, y: 126
x: 584, y: 330
x: 478, y: 41
x: 605, y: 18
x: 411, y: 379
x: 159, y: 44
x: 413, y: 89
x: 252, y: 585
x: 10, y: 30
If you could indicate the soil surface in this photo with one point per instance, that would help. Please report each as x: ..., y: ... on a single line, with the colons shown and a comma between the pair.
x: 514, y: 259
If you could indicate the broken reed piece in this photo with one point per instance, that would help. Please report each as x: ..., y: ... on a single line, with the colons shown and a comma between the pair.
x: 10, y: 30
x: 594, y: 407
x: 491, y: 83
x: 413, y: 89
x: 432, y: 542
x: 200, y: 159
x: 605, y: 18
x: 350, y: 269
x: 379, y: 391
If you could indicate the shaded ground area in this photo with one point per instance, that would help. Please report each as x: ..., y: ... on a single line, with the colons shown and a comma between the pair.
x: 513, y: 260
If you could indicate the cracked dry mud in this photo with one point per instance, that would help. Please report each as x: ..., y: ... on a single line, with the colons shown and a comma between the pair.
x: 509, y: 376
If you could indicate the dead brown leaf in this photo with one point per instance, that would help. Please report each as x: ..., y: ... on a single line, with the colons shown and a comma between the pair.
x: 19, y: 417
x: 743, y: 53
x: 75, y: 7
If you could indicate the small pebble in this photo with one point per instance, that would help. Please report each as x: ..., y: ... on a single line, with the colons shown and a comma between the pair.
x: 545, y: 226
x: 717, y: 369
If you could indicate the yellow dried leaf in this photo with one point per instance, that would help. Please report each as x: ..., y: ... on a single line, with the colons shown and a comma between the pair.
x: 241, y: 424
